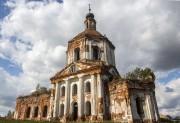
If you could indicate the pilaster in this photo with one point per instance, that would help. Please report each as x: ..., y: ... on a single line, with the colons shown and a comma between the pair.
x: 93, y: 98
x: 80, y: 97
x: 100, y: 98
x: 56, y: 101
x: 67, y: 98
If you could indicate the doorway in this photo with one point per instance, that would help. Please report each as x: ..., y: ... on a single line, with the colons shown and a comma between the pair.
x: 75, y: 111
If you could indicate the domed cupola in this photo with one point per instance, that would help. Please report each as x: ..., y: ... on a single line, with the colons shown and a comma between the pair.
x: 89, y: 16
x: 90, y: 22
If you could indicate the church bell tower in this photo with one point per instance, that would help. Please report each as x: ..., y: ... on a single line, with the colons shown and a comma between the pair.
x: 80, y: 88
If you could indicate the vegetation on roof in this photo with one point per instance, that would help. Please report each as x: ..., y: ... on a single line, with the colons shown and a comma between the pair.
x: 39, y: 91
x: 141, y: 74
x: 136, y: 75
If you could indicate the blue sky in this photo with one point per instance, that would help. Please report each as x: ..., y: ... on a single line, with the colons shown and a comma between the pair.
x: 4, y: 10
x: 34, y: 36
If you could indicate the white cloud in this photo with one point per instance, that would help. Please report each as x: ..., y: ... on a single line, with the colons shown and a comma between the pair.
x: 168, y: 97
x: 42, y: 29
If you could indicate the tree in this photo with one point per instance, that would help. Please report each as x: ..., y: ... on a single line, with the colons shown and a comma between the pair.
x: 141, y: 74
x: 9, y: 113
x: 37, y: 87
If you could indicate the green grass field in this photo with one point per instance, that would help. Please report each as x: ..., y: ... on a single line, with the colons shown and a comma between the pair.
x: 4, y: 120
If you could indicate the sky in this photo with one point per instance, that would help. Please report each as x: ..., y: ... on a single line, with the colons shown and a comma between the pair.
x: 34, y: 35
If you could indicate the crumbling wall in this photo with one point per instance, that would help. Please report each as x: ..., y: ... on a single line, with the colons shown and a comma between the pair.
x: 22, y: 104
x: 119, y: 102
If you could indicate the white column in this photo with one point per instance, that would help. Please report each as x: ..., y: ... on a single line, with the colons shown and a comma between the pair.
x: 149, y: 106
x: 80, y: 96
x: 100, y: 94
x: 51, y: 101
x: 93, y: 105
x: 67, y: 97
x: 105, y: 53
x: 155, y: 106
x: 56, y: 101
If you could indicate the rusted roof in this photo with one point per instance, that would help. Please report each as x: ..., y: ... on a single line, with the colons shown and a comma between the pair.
x: 89, y: 33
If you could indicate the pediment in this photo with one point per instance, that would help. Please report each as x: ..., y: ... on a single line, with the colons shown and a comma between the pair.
x: 73, y: 68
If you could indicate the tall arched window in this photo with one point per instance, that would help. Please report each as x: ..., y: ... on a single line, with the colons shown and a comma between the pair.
x: 139, y: 106
x: 45, y: 111
x: 88, y: 87
x: 77, y: 54
x: 95, y: 52
x: 28, y: 112
x: 63, y: 91
x: 88, y: 108
x: 74, y: 90
x: 36, y: 111
x: 61, y: 110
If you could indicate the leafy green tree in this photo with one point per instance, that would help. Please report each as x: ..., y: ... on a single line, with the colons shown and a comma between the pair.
x: 141, y: 74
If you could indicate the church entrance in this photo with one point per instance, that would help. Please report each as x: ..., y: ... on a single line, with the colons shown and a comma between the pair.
x: 75, y: 111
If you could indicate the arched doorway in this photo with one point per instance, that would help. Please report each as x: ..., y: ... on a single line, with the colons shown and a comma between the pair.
x: 61, y: 110
x: 28, y: 112
x: 75, y: 111
x: 88, y: 108
x: 139, y: 107
x: 36, y: 111
x: 45, y: 111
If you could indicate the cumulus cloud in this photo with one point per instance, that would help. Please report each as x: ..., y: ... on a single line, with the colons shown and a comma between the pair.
x: 168, y: 96
x: 35, y: 34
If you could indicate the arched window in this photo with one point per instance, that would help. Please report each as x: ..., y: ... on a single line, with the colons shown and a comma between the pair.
x: 36, y: 111
x: 61, y: 110
x: 88, y: 108
x: 95, y: 52
x: 139, y: 106
x: 45, y: 111
x: 28, y: 112
x: 88, y: 87
x: 74, y: 90
x: 63, y: 91
x: 77, y: 54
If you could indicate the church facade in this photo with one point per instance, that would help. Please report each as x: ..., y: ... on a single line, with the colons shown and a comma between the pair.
x: 85, y: 90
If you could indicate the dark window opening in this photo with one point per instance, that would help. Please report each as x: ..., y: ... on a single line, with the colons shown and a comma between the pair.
x: 88, y: 108
x: 45, y: 111
x: 77, y: 54
x: 88, y: 87
x: 62, y: 110
x: 63, y: 91
x: 139, y: 106
x: 36, y: 112
x: 74, y: 92
x: 75, y: 111
x: 28, y: 112
x: 95, y: 52
x: 72, y: 69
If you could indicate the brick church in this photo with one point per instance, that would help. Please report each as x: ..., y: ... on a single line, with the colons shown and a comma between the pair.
x: 89, y: 88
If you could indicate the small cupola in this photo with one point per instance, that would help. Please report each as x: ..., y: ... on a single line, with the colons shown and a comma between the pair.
x: 90, y: 22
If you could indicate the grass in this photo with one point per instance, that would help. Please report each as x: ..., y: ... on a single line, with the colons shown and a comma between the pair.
x: 4, y: 120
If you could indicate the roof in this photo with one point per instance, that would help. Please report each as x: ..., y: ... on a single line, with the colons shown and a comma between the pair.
x: 90, y: 33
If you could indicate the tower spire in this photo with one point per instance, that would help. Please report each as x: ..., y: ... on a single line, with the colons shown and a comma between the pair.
x: 89, y: 8
x: 90, y: 22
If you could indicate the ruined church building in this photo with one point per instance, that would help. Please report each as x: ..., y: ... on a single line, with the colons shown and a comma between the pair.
x: 85, y: 90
